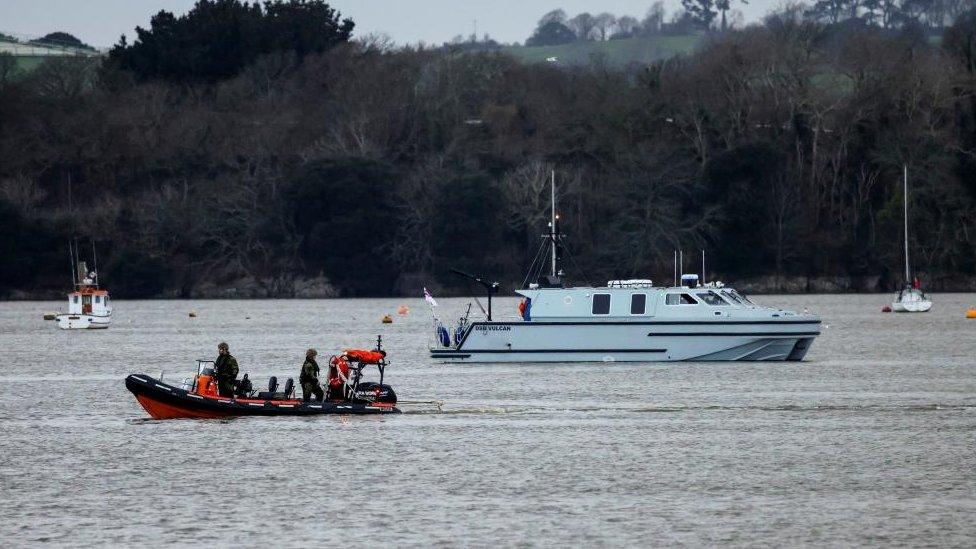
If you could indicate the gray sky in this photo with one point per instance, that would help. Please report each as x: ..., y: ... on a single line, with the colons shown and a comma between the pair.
x: 101, y: 22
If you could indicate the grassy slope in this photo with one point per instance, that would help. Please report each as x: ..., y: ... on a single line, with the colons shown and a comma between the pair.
x: 639, y: 50
x: 26, y: 57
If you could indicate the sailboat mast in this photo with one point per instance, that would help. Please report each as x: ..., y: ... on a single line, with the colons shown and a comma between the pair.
x: 908, y: 274
x: 552, y: 224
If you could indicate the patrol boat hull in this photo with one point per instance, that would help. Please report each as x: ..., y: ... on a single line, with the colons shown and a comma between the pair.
x: 632, y: 341
x: 164, y: 401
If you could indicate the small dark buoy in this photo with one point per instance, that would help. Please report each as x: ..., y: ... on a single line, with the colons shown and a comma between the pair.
x: 886, y: 309
x: 193, y: 314
x: 387, y: 319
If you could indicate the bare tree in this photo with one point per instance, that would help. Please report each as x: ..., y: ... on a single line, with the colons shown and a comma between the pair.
x: 525, y: 190
x: 654, y: 19
x: 604, y: 23
x: 627, y: 24
x: 583, y: 25
x: 23, y: 192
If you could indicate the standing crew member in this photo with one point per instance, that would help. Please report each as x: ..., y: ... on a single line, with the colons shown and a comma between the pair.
x: 309, y: 377
x: 225, y: 367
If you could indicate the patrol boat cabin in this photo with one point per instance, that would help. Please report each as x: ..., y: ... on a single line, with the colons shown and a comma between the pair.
x: 629, y: 320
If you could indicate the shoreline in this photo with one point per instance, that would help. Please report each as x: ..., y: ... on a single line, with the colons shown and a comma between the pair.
x: 319, y: 288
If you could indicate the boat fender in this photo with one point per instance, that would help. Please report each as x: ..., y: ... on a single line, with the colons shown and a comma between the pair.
x: 458, y: 334
x: 525, y: 309
x: 443, y: 336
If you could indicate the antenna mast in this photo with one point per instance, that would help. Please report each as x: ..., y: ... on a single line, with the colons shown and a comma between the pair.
x: 703, y: 267
x: 908, y: 274
x: 552, y: 224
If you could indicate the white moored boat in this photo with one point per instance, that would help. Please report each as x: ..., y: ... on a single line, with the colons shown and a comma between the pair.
x: 88, y: 305
x: 910, y: 299
x: 628, y: 320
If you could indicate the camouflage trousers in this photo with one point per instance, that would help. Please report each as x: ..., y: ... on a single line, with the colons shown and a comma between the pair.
x: 312, y: 388
x: 225, y: 387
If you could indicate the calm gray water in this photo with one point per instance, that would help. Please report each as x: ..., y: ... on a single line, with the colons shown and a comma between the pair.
x: 872, y: 440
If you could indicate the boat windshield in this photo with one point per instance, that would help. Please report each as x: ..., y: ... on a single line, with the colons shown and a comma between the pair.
x: 744, y: 298
x: 712, y: 298
x: 736, y: 297
x: 731, y: 297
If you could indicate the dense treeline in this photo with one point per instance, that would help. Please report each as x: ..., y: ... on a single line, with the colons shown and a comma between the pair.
x: 930, y: 17
x: 779, y: 148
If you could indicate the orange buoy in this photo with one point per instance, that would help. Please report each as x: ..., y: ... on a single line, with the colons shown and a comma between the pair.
x: 387, y: 319
x: 403, y: 310
x: 971, y: 312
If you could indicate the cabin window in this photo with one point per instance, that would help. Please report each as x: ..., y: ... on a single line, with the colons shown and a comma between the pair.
x: 680, y: 299
x: 74, y: 299
x: 601, y: 304
x: 712, y: 299
x: 98, y: 299
x: 637, y: 304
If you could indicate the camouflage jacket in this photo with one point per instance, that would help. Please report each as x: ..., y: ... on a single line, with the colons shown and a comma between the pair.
x: 226, y: 366
x: 310, y: 371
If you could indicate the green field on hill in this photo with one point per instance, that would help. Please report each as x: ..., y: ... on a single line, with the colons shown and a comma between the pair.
x: 617, y: 52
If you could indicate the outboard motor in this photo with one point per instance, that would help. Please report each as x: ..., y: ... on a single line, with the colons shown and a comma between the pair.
x: 375, y: 393
x: 289, y: 388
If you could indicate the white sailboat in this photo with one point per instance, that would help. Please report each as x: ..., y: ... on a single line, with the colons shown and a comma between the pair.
x: 910, y: 299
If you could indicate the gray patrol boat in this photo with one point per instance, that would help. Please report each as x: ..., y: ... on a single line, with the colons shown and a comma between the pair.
x: 628, y: 320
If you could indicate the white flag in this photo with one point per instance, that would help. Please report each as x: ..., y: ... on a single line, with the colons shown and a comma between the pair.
x: 429, y: 298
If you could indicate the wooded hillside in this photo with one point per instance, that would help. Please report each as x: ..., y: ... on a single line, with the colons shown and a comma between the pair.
x: 373, y: 170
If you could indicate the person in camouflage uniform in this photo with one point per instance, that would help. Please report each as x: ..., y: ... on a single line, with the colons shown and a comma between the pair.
x: 225, y: 367
x: 309, y: 377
